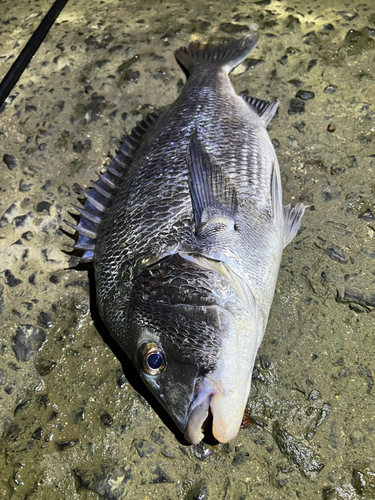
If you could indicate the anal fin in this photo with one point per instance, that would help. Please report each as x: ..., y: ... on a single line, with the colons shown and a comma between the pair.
x: 213, y: 194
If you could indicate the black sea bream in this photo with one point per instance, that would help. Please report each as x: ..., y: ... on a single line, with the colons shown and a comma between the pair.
x: 186, y: 230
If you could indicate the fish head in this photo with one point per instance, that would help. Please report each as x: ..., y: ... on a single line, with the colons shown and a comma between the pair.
x: 194, y: 343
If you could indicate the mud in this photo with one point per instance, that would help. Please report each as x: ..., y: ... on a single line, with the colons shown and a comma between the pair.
x: 75, y: 421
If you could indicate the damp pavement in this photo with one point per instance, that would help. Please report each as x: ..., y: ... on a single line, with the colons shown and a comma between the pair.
x: 75, y: 422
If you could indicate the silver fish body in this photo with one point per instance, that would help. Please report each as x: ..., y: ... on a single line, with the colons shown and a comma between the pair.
x: 188, y: 250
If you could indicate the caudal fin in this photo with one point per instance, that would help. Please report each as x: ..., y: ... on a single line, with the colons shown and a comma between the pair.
x: 227, y: 54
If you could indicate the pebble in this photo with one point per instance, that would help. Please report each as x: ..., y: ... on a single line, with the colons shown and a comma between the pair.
x: 4, y: 221
x: 10, y: 161
x: 330, y: 192
x: 11, y: 280
x: 233, y: 28
x: 357, y: 438
x: 144, y: 448
x: 106, y: 419
x: 305, y: 95
x: 201, y: 452
x: 337, y: 254
x: 363, y: 480
x: 2, y: 305
x: 28, y: 339
x: 330, y: 89
x: 240, y: 458
x: 296, y: 107
x: 3, y: 376
x: 160, y: 473
x: 331, y: 127
x: 198, y: 491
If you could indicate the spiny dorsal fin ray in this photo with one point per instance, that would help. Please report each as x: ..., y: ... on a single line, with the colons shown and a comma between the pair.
x: 99, y: 197
x: 213, y: 194
x: 266, y: 110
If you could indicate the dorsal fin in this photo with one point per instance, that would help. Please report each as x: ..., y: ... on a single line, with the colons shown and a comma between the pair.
x: 213, y: 194
x: 99, y: 197
x: 266, y: 110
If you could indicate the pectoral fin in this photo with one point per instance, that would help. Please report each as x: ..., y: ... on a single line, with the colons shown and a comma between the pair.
x: 213, y: 194
x: 292, y: 221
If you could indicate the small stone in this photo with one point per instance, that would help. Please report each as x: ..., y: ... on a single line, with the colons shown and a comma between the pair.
x: 331, y: 127
x: 68, y: 444
x: 106, y: 419
x: 161, y: 475
x: 357, y: 438
x: 144, y: 448
x: 330, y: 192
x: 311, y: 64
x: 201, y: 452
x: 45, y: 319
x: 363, y: 480
x: 296, y: 107
x: 78, y: 147
x: 29, y: 109
x: 157, y: 438
x: 240, y: 458
x: 264, y: 361
x: 44, y: 366
x: 22, y: 406
x: 37, y: 434
x: 10, y: 161
x: 11, y: 280
x: 4, y: 221
x: 330, y: 89
x: 297, y: 83
x: 24, y: 187
x: 22, y: 220
x: 299, y: 126
x: 198, y: 491
x: 28, y: 339
x: 42, y: 402
x: 169, y: 453
x: 305, y: 95
x: 32, y: 278
x: 108, y: 482
x: 43, y: 206
x: 3, y: 376
x: 233, y: 28
x: 337, y: 254
x: 120, y: 378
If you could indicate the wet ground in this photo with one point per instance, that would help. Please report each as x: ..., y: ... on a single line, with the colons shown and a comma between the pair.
x: 75, y: 422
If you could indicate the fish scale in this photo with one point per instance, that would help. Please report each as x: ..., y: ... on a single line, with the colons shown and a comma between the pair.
x: 189, y: 241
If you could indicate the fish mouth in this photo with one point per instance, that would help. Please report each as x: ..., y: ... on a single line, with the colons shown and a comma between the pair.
x: 225, y: 407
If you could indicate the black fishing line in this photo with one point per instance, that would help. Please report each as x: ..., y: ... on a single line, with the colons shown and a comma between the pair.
x: 29, y: 50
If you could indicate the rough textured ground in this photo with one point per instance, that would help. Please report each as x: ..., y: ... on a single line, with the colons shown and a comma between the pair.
x: 73, y: 425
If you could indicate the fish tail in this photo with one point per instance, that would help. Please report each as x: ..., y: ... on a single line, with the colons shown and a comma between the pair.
x: 228, y: 54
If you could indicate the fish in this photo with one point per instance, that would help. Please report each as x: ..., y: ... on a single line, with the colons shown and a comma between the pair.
x: 186, y: 230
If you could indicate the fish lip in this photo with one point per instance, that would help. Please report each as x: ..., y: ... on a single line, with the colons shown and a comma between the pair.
x: 199, y: 410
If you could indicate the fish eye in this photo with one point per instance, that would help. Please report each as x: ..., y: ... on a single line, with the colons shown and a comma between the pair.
x: 151, y: 358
